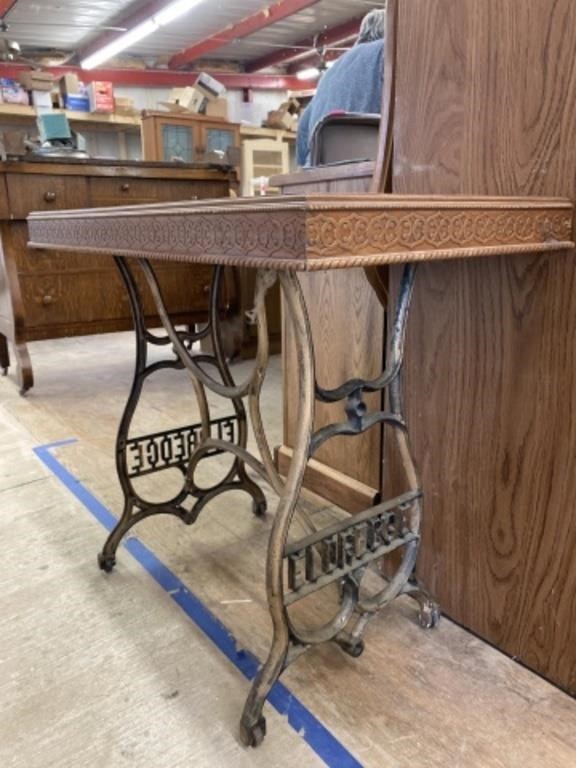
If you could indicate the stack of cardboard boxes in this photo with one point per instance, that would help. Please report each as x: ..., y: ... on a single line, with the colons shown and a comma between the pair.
x: 284, y: 118
x: 205, y: 97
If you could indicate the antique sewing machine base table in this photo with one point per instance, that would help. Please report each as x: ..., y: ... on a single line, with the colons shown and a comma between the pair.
x: 340, y: 553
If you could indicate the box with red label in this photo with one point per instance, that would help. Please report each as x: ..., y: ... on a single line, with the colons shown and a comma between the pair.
x: 101, y: 96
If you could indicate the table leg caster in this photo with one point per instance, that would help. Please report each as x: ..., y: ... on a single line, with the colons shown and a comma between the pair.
x: 4, y: 371
x: 259, y: 508
x: 106, y: 562
x: 253, y: 735
x: 429, y: 615
x: 353, y: 646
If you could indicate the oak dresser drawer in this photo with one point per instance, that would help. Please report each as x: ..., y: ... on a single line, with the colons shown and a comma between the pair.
x: 126, y: 191
x: 86, y: 297
x: 42, y: 192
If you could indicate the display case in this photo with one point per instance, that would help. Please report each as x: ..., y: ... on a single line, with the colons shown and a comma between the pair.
x: 185, y: 137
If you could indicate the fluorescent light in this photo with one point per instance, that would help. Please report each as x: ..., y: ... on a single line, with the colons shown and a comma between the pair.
x: 173, y: 11
x: 120, y: 44
x: 308, y: 74
x: 168, y: 14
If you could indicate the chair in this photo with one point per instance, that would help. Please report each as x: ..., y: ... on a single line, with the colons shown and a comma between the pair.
x: 343, y: 137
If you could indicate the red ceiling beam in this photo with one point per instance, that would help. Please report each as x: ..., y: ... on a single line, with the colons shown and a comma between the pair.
x: 339, y: 35
x: 247, y: 26
x: 6, y: 6
x: 163, y: 78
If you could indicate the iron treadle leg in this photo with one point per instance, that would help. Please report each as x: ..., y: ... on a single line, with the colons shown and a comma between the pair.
x: 341, y: 553
x: 147, y: 454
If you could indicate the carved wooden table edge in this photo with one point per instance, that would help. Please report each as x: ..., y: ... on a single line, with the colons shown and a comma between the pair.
x: 315, y: 232
x: 281, y: 238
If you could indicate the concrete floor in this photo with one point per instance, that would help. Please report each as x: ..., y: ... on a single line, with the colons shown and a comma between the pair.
x: 109, y: 670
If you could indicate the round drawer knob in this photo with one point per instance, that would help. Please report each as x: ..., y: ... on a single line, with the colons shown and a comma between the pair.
x: 125, y: 187
x: 49, y: 197
x: 47, y: 300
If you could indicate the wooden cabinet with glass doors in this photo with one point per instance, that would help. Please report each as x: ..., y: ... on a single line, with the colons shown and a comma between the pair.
x: 187, y: 138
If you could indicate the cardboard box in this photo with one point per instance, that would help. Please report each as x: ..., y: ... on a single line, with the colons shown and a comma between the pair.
x: 101, y: 96
x: 285, y: 117
x: 69, y: 84
x: 188, y: 99
x: 123, y: 105
x: 217, y: 108
x: 37, y: 81
x: 77, y: 103
x: 281, y: 120
x: 13, y: 92
x: 210, y: 87
x: 41, y: 99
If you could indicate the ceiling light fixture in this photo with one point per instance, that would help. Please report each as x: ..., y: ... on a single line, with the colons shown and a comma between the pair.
x: 308, y: 74
x: 160, y: 19
x: 313, y: 72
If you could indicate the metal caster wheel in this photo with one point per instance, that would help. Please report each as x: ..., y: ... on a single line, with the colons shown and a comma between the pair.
x: 259, y: 508
x: 253, y: 735
x: 354, y: 648
x: 429, y: 616
x: 106, y: 563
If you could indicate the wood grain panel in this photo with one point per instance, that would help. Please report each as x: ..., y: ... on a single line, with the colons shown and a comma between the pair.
x: 44, y: 193
x: 339, y: 326
x: 429, y: 122
x: 348, y: 331
x: 489, y: 107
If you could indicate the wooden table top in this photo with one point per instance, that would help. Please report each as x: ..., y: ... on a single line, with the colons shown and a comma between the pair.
x: 313, y: 232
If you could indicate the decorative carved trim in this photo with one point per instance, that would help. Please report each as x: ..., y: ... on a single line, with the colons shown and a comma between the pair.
x: 366, y: 233
x: 314, y: 233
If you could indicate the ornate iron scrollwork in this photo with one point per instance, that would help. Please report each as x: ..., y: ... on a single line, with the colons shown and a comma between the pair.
x: 338, y: 554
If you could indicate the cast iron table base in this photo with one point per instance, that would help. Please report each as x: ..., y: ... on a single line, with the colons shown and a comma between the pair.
x: 340, y: 553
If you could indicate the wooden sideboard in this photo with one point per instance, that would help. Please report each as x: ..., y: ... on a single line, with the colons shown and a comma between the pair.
x: 50, y: 295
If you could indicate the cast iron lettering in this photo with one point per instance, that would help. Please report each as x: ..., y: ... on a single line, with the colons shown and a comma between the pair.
x: 163, y: 450
x: 348, y: 546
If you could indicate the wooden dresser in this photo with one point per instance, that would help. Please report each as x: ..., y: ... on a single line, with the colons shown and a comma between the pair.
x: 50, y: 295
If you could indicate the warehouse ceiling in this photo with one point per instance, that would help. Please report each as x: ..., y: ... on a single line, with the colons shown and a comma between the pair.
x: 245, y: 35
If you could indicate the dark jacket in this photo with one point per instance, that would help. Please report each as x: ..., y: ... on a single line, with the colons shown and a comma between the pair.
x: 352, y: 84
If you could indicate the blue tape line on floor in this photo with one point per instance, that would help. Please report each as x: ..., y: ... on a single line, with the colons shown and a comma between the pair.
x: 316, y: 735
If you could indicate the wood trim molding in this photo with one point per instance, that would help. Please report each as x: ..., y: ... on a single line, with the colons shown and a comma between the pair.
x: 329, y: 483
x: 314, y: 232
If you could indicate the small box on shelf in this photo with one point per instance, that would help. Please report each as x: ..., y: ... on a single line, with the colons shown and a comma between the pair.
x: 285, y: 117
x: 41, y: 99
x: 217, y: 108
x: 13, y: 92
x: 101, y: 96
x: 76, y: 103
x: 37, y: 81
x: 70, y: 85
